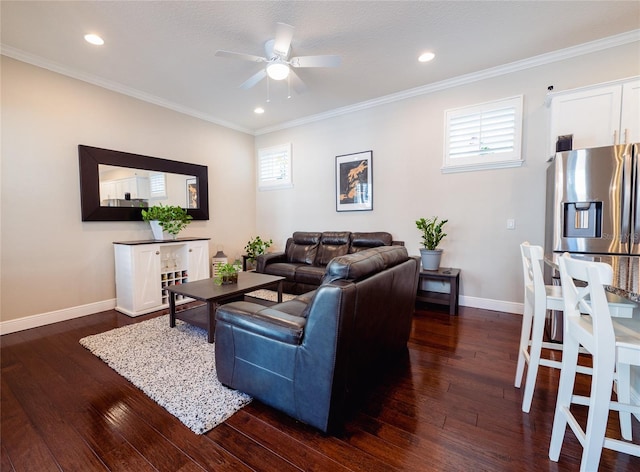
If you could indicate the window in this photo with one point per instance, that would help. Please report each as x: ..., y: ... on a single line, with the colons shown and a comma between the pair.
x: 274, y: 167
x: 484, y: 136
x: 158, y: 185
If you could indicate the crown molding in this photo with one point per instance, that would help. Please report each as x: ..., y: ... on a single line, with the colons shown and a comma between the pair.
x: 114, y: 86
x: 535, y: 61
x: 543, y: 59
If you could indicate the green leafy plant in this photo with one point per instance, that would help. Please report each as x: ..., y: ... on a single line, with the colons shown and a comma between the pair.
x: 172, y: 219
x: 255, y: 247
x: 432, y: 232
x: 227, y: 274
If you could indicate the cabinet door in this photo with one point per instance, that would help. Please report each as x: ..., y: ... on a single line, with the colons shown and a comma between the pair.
x: 198, y: 260
x: 592, y: 116
x: 107, y: 191
x: 630, y: 119
x: 148, y: 292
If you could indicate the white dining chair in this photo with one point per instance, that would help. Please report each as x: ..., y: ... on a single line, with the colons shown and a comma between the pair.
x: 588, y: 323
x: 538, y: 298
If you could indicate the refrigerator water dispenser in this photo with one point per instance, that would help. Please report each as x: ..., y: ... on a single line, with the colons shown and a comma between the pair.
x: 582, y: 220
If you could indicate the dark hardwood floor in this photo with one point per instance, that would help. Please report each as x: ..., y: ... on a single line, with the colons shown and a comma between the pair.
x: 449, y: 406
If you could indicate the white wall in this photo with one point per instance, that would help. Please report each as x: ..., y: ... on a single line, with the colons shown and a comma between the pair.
x: 407, y: 142
x: 50, y: 259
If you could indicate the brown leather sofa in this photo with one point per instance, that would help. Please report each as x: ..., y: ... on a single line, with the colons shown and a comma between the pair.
x: 314, y: 357
x: 307, y: 254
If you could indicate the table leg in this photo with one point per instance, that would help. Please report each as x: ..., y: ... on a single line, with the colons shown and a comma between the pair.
x: 453, y: 302
x: 211, y: 320
x: 280, y: 284
x: 172, y: 309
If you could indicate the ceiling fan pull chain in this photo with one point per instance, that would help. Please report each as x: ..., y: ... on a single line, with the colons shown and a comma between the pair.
x: 289, y: 86
x: 268, y: 89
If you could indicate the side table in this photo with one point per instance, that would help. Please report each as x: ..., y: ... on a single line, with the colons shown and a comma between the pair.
x: 443, y: 274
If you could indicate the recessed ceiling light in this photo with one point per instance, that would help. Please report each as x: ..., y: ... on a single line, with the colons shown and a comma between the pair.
x: 94, y: 39
x: 259, y: 110
x: 426, y: 57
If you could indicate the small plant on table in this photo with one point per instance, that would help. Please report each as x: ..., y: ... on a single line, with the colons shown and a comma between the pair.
x: 171, y: 219
x: 227, y: 274
x: 255, y: 247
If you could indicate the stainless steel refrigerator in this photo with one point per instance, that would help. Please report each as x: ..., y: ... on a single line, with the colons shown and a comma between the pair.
x: 593, y: 211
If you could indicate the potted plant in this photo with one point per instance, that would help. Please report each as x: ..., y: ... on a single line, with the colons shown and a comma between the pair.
x: 432, y: 234
x: 227, y: 274
x: 169, y: 219
x: 255, y: 247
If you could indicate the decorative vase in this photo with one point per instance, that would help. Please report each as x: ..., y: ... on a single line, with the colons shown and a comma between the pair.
x: 430, y: 258
x: 230, y: 279
x: 158, y: 233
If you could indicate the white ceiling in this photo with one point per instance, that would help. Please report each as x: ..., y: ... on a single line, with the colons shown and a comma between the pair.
x: 163, y: 51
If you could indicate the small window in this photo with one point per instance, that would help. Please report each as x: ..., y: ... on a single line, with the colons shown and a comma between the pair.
x: 485, y: 136
x: 274, y: 167
x: 157, y: 185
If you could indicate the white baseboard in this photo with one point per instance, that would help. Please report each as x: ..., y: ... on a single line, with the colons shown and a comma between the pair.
x: 495, y: 305
x: 33, y: 321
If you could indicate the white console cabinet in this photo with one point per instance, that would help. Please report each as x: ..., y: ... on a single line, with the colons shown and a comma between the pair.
x: 145, y: 268
x: 599, y: 115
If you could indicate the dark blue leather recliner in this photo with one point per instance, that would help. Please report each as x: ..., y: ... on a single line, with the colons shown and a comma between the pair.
x: 310, y: 356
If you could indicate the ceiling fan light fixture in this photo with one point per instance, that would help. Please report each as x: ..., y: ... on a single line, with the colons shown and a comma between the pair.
x: 278, y: 71
x: 426, y: 57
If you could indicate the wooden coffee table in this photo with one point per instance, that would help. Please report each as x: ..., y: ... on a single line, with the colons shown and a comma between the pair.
x: 211, y: 293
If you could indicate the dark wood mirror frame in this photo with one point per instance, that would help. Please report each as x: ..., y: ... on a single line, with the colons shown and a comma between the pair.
x: 92, y: 157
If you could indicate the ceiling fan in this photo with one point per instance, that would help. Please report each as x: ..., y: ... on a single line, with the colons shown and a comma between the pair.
x: 278, y: 64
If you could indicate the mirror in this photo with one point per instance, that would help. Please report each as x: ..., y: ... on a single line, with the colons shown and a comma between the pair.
x: 123, y: 186
x: 116, y: 186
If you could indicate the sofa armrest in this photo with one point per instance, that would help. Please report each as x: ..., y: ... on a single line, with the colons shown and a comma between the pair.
x: 264, y: 321
x: 263, y: 259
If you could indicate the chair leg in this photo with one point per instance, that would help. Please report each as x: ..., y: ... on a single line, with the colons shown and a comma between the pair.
x: 534, y: 359
x: 624, y: 396
x: 525, y: 333
x: 601, y: 385
x: 565, y: 391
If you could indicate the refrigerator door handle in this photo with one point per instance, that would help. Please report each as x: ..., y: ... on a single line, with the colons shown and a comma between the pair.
x: 632, y: 152
x: 628, y: 176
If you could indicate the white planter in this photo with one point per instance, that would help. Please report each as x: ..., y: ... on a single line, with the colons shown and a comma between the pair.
x: 158, y: 234
x: 430, y: 258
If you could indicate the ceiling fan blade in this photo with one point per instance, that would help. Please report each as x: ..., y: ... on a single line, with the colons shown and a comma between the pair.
x: 296, y: 83
x: 254, y: 79
x: 284, y: 34
x: 239, y: 55
x: 316, y: 61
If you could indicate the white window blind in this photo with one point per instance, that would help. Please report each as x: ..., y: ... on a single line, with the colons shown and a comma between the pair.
x: 157, y: 185
x: 484, y: 136
x: 274, y: 167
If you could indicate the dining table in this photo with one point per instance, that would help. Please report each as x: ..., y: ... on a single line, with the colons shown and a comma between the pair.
x: 626, y: 274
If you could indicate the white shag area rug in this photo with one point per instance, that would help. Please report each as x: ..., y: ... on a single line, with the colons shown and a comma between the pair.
x: 270, y: 295
x: 175, y: 367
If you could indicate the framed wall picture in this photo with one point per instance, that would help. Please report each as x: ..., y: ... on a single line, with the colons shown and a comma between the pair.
x: 192, y: 193
x: 354, y: 182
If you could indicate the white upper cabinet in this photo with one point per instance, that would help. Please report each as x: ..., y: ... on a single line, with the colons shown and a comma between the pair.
x: 630, y: 115
x: 597, y: 116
